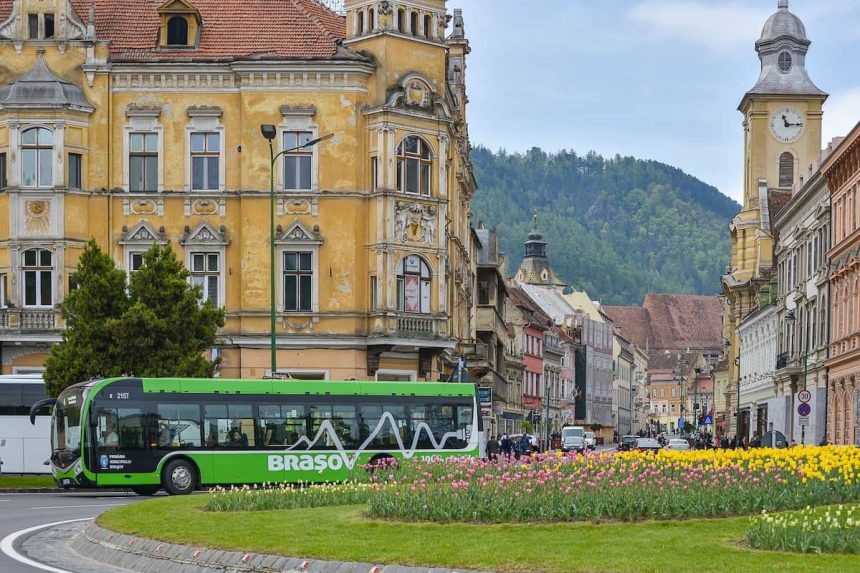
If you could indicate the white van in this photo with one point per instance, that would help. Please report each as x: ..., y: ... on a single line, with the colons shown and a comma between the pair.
x: 573, y: 439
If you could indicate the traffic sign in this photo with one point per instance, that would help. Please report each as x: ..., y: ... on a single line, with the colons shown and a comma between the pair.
x: 804, y: 421
x: 804, y: 409
x: 804, y: 396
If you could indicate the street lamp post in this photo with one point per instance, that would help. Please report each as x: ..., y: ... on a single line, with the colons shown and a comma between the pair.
x: 790, y: 316
x: 738, y: 407
x: 270, y: 132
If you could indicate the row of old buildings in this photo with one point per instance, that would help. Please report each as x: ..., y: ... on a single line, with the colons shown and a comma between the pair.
x: 791, y: 294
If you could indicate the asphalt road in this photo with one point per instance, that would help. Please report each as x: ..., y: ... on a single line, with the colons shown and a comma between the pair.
x: 23, y: 511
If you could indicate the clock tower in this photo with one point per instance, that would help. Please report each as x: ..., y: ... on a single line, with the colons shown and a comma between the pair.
x: 782, y: 136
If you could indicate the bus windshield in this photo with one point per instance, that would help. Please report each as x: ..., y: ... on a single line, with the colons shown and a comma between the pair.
x: 66, y: 427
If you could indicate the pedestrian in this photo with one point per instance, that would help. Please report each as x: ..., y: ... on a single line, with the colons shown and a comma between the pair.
x: 522, y: 447
x: 724, y: 442
x: 493, y: 448
x: 506, y: 446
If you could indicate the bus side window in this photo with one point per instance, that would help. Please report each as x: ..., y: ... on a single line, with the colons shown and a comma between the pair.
x: 178, y: 425
x: 229, y: 426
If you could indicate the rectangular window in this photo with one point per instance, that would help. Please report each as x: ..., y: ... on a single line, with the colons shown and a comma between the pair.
x: 374, y: 173
x: 3, y: 181
x: 298, y: 162
x: 229, y: 426
x: 49, y: 26
x: 374, y: 300
x: 206, y: 273
x: 135, y: 261
x: 178, y: 426
x: 38, y: 278
x: 75, y: 161
x: 143, y: 162
x: 281, y: 425
x: 298, y: 281
x: 33, y: 26
x: 3, y: 301
x: 205, y: 161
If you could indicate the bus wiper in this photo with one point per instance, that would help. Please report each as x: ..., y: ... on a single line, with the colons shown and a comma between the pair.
x: 34, y: 409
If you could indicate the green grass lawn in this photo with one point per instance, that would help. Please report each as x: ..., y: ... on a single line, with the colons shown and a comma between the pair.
x: 345, y: 534
x: 18, y: 481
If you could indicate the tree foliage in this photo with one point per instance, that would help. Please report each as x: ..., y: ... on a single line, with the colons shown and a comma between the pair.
x: 155, y: 326
x: 617, y: 228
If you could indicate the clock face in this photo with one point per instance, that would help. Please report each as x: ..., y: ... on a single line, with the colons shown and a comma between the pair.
x: 786, y: 125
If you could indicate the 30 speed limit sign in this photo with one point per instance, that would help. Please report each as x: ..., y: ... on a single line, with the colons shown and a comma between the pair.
x: 804, y: 396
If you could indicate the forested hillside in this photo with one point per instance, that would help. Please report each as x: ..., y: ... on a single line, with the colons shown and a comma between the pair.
x: 618, y: 228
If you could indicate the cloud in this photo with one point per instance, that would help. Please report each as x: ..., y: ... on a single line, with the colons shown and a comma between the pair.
x: 720, y: 27
x: 841, y: 114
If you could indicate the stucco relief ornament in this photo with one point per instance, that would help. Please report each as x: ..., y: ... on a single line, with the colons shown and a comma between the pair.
x: 38, y: 218
x: 143, y: 207
x: 415, y: 223
x: 384, y: 8
x: 298, y: 206
x: 204, y: 207
x: 417, y: 94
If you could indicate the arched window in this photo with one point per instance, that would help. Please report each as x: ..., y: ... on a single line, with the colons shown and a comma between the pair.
x: 401, y: 20
x: 428, y: 32
x: 847, y: 420
x: 38, y: 269
x: 177, y: 31
x: 413, y: 23
x: 413, y: 166
x: 371, y: 20
x: 413, y: 285
x: 37, y: 165
x: 786, y: 169
x: 360, y: 23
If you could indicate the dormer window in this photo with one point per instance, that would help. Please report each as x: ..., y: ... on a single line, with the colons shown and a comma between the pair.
x: 177, y: 31
x: 180, y: 24
x: 40, y: 26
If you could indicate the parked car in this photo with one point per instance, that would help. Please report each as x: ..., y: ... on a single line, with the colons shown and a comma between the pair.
x: 573, y: 439
x: 647, y: 445
x: 627, y: 443
x: 678, y: 445
x: 590, y: 441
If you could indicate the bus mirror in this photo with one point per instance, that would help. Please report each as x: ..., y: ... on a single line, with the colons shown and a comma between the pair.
x: 34, y: 409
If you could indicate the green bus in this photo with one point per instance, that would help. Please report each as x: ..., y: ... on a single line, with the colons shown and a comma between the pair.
x: 179, y: 434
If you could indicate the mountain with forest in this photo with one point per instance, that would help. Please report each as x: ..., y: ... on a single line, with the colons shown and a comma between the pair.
x: 617, y: 228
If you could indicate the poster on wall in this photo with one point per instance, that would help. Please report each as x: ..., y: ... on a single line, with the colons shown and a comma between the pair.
x: 411, y: 293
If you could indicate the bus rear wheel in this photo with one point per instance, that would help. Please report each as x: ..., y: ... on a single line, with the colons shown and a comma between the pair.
x: 179, y: 477
x: 145, y: 490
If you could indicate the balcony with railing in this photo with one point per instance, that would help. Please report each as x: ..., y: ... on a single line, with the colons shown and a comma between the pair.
x: 27, y: 320
x: 406, y: 325
x: 489, y: 320
x: 789, y: 363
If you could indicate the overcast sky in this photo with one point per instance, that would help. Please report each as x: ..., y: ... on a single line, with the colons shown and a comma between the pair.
x: 656, y: 79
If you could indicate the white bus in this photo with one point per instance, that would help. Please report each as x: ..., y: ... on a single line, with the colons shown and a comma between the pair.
x: 24, y: 448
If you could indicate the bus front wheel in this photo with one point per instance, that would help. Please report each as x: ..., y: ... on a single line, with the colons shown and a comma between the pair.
x: 179, y: 477
x: 145, y: 490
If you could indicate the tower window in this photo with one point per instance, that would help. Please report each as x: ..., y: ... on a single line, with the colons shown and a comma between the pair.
x: 784, y: 61
x: 177, y: 31
x: 401, y: 20
x: 361, y: 23
x: 33, y: 26
x: 49, y: 26
x: 786, y: 169
x: 413, y: 23
x: 427, y: 26
x: 371, y: 20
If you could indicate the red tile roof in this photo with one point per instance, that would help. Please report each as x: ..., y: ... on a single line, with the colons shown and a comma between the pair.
x: 5, y: 9
x: 230, y: 30
x: 671, y: 322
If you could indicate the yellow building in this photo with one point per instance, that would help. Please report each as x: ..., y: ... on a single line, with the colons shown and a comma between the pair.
x: 782, y: 136
x: 135, y: 123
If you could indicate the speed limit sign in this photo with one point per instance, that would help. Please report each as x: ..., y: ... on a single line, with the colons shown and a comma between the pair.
x: 804, y: 396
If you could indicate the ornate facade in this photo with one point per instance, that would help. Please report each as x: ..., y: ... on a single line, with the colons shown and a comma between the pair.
x: 136, y: 122
x: 842, y: 170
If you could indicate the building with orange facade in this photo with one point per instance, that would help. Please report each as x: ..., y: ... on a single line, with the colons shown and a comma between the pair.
x: 842, y: 170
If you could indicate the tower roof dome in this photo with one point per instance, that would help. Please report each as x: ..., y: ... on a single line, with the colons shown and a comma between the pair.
x: 535, y: 235
x: 783, y: 23
x: 41, y: 88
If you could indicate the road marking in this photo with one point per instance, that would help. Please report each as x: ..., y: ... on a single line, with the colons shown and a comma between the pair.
x: 71, y: 506
x: 7, y: 546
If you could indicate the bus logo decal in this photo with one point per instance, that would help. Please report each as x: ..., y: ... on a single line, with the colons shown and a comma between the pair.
x: 334, y: 461
x: 103, y: 462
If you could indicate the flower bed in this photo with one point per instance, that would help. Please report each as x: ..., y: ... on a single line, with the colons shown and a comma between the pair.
x: 282, y: 496
x: 555, y: 487
x: 625, y: 486
x: 822, y: 530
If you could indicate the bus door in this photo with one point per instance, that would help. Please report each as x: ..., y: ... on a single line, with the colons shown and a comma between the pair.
x: 118, y: 439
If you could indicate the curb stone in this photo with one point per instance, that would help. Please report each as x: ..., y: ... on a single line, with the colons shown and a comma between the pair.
x: 4, y: 490
x: 140, y: 554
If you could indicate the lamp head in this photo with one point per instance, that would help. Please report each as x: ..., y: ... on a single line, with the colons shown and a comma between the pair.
x: 268, y: 130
